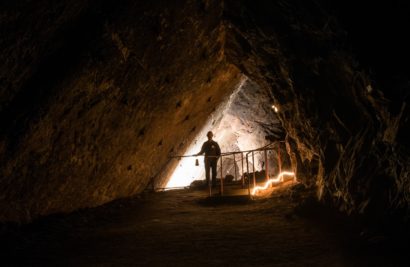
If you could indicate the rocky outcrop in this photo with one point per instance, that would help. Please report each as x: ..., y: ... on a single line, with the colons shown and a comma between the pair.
x: 244, y: 121
x: 106, y: 101
x: 343, y: 132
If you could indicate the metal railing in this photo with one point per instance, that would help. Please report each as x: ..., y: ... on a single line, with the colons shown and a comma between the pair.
x: 245, y: 177
x: 244, y: 157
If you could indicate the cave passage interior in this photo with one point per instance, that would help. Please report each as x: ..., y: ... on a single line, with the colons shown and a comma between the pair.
x: 244, y: 121
x: 99, y: 101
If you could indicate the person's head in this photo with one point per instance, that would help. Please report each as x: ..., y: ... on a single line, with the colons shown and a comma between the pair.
x: 210, y: 135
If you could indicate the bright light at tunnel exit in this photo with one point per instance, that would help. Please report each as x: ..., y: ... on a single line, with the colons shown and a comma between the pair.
x: 277, y: 179
x: 186, y: 171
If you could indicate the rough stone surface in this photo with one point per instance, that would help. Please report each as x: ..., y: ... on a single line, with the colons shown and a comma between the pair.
x: 344, y: 134
x: 136, y: 90
x: 250, y: 123
x: 245, y: 121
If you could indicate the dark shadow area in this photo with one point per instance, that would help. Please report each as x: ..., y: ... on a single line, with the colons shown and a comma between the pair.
x: 289, y: 228
x: 225, y: 200
x: 69, y: 48
x: 375, y: 243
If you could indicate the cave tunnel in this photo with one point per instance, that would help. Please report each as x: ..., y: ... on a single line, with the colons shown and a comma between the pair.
x: 100, y: 99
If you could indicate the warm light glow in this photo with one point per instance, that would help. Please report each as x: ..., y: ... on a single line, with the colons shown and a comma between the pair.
x: 369, y: 88
x: 278, y: 179
x: 275, y: 108
x: 187, y: 171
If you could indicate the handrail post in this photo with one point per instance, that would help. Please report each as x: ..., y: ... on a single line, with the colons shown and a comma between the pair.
x: 249, y: 187
x: 279, y: 159
x: 222, y: 179
x: 247, y: 170
x: 253, y: 164
x: 243, y: 173
x: 266, y: 165
x: 247, y: 165
x: 234, y: 165
x: 210, y: 187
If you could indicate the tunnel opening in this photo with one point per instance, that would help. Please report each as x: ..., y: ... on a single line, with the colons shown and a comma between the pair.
x: 246, y: 120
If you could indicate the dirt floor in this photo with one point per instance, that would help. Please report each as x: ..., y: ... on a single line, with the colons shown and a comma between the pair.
x: 184, y: 228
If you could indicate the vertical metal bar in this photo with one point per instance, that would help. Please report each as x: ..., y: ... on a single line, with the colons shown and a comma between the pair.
x: 247, y: 165
x: 222, y: 179
x: 249, y: 187
x: 279, y: 159
x: 266, y: 165
x: 210, y: 187
x: 247, y: 170
x: 243, y: 173
x: 234, y: 165
x: 253, y: 164
x: 210, y: 181
x: 272, y: 167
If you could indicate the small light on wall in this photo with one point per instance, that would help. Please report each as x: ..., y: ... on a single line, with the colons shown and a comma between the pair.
x: 369, y: 88
x: 275, y: 108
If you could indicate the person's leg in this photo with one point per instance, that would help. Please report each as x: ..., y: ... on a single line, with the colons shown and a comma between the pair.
x: 207, y: 169
x: 214, y: 164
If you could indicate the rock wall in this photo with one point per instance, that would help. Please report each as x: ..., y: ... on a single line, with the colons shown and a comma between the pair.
x: 343, y: 130
x: 249, y: 123
x: 244, y: 121
x: 108, y: 92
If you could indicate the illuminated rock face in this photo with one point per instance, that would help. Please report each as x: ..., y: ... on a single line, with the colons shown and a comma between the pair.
x: 244, y: 121
x: 249, y: 123
x: 142, y: 78
x: 95, y: 96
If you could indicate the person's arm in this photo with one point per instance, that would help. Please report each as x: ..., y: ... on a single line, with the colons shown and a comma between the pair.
x: 202, y: 150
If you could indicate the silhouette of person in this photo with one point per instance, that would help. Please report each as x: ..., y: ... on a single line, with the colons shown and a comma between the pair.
x: 212, y: 152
